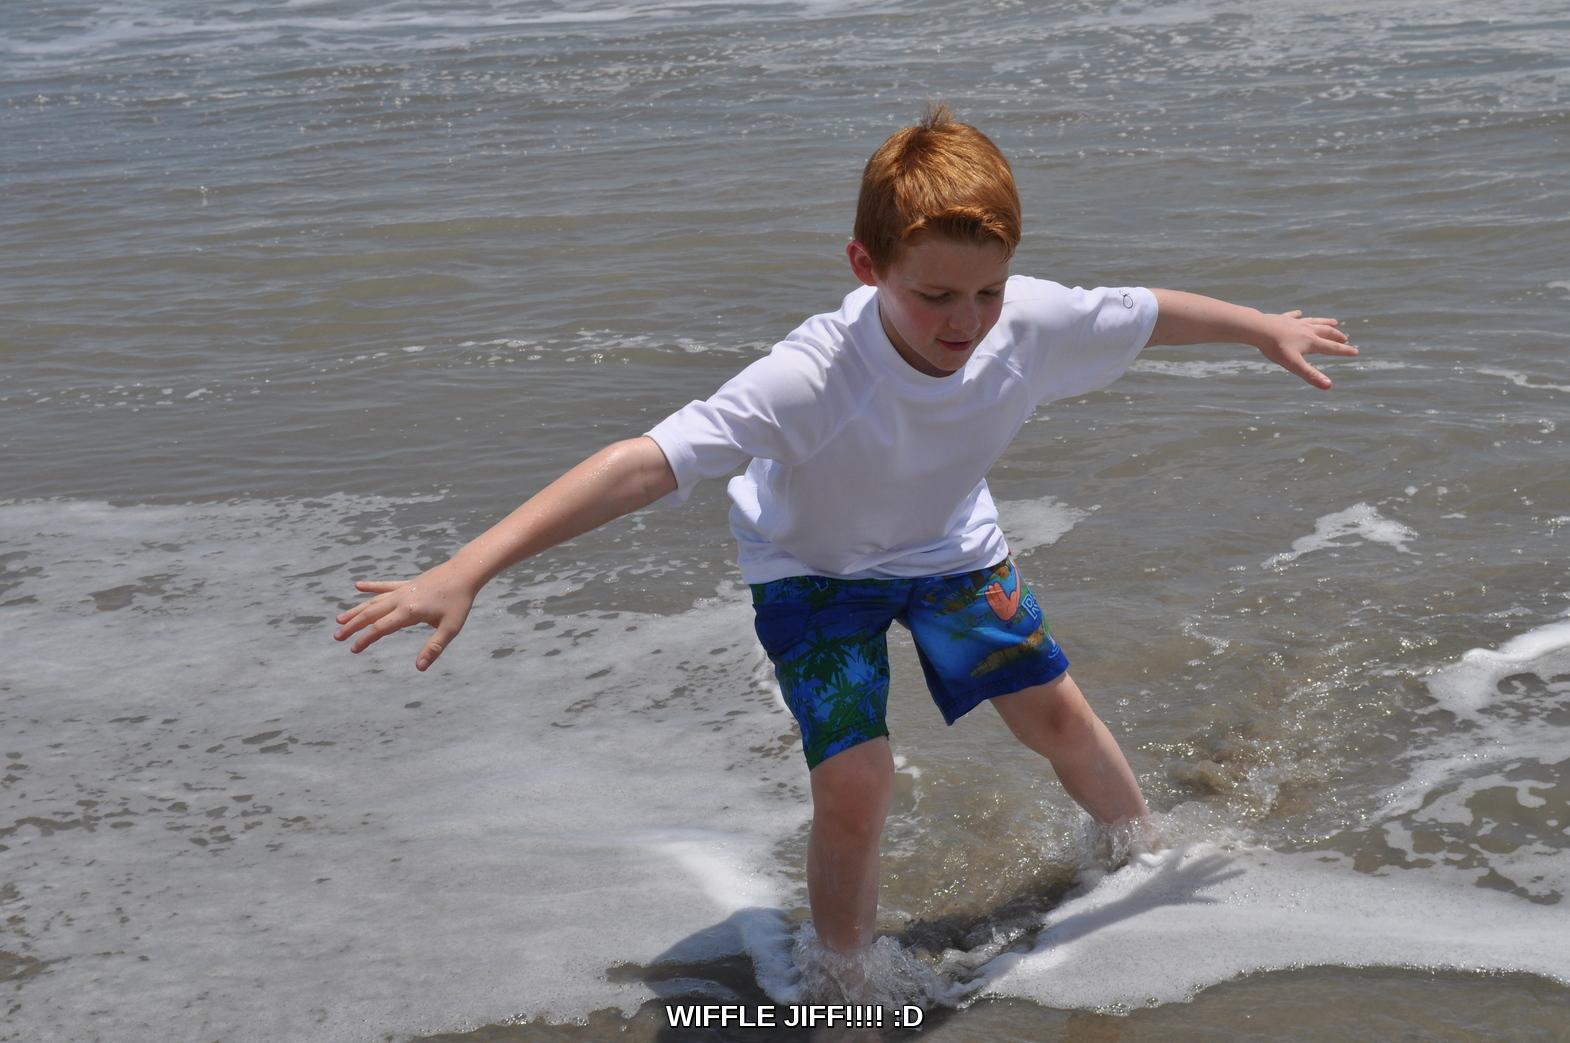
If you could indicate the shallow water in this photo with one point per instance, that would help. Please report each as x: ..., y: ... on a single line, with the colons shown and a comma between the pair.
x: 306, y: 293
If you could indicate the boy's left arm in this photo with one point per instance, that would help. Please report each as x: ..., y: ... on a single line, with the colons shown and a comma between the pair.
x: 1188, y: 318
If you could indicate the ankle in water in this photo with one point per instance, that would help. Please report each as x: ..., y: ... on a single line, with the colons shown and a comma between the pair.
x: 883, y: 974
x: 1105, y: 848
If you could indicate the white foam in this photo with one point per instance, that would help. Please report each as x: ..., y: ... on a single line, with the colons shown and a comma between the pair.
x: 174, y: 30
x: 1033, y: 524
x: 1466, y: 759
x: 1465, y: 687
x: 1520, y: 379
x: 1203, y: 369
x: 1217, y: 645
x: 329, y: 27
x: 725, y: 867
x: 729, y: 870
x: 279, y: 837
x: 1476, y: 878
x: 1358, y: 522
x: 1162, y: 929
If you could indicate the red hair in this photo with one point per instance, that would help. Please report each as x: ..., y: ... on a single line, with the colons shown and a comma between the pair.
x: 939, y: 176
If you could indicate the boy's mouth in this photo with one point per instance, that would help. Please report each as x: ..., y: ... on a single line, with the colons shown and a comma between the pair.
x: 955, y: 345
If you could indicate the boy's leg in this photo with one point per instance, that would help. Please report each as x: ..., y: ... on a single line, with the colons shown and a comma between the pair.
x: 826, y: 638
x: 983, y: 638
x: 850, y: 799
x: 1055, y: 720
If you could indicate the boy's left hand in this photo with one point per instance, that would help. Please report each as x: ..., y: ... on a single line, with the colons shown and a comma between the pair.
x: 1290, y: 337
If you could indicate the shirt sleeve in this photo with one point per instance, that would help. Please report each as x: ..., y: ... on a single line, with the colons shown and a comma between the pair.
x: 1083, y: 339
x: 773, y: 410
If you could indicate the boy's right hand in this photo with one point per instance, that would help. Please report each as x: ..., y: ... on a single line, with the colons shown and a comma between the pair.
x: 440, y: 597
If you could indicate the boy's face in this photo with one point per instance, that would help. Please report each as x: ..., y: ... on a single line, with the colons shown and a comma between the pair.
x: 938, y: 299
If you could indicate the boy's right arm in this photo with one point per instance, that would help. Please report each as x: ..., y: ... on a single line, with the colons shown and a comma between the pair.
x: 617, y: 480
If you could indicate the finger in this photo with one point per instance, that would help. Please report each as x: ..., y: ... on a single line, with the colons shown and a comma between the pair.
x: 1294, y: 362
x: 389, y: 624
x: 1311, y: 375
x: 362, y: 614
x: 1330, y: 347
x: 1324, y: 322
x: 373, y: 619
x: 349, y: 613
x: 376, y: 587
x: 433, y: 648
x: 1295, y: 313
x: 1331, y: 333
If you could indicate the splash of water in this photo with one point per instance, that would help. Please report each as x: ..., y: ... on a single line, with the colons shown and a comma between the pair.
x: 1103, y: 848
x: 885, y: 974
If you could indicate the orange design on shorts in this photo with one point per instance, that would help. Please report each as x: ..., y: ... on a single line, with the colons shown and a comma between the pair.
x: 1004, y: 606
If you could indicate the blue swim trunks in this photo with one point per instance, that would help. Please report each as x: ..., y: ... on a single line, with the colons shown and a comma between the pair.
x: 978, y: 634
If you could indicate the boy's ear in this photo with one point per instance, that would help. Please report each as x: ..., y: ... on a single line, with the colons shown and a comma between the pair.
x: 861, y: 262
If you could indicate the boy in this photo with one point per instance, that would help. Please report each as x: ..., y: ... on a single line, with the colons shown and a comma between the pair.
x: 866, y: 436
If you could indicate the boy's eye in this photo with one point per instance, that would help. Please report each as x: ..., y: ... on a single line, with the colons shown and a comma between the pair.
x: 939, y: 298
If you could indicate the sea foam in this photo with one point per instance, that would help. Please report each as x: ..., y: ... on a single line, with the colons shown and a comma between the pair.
x: 1033, y: 524
x: 1473, y: 878
x: 1160, y: 930
x: 1360, y: 521
x: 225, y: 825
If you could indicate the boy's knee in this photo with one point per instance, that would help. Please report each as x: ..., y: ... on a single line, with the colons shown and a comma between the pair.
x: 1047, y: 714
x: 851, y: 790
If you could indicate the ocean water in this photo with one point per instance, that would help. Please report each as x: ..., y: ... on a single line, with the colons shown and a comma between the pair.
x: 295, y: 294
